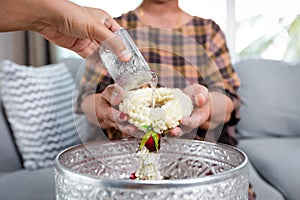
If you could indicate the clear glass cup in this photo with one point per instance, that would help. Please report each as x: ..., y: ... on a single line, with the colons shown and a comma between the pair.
x: 124, y: 62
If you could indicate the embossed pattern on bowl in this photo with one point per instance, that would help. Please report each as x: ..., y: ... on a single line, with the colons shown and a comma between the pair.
x: 192, y: 170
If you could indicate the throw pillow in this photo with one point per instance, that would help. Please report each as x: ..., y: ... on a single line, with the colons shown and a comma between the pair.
x: 38, y: 104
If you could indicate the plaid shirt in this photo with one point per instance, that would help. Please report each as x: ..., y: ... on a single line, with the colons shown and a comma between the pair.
x: 195, y: 53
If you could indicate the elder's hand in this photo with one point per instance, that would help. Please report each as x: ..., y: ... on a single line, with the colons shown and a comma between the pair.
x: 201, y: 113
x: 210, y: 110
x: 100, y: 109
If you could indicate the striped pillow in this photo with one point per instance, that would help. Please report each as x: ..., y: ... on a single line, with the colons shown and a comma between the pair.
x: 38, y: 104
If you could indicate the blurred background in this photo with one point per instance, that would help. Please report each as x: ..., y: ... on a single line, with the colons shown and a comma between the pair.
x: 254, y: 29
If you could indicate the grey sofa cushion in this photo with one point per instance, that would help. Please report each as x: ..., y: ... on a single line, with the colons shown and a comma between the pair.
x: 278, y: 161
x: 271, y: 98
x: 9, y: 159
x: 262, y: 189
x: 28, y: 185
x: 76, y: 66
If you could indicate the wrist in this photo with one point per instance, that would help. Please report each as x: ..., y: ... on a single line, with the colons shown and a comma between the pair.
x: 48, y: 12
x: 221, y: 107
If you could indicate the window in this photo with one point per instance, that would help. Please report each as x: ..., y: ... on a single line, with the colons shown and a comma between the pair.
x: 268, y: 29
x: 257, y: 28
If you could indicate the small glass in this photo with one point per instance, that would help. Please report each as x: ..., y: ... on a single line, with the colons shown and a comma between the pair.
x: 124, y: 62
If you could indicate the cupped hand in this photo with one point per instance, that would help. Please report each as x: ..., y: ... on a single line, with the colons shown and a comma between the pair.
x: 107, y: 113
x: 201, y: 113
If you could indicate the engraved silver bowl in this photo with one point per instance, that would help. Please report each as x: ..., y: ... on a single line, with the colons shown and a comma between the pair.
x: 192, y: 170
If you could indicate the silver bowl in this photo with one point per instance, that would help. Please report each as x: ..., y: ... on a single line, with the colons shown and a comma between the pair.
x: 192, y: 170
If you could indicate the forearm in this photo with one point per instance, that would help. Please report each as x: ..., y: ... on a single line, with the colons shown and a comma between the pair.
x: 28, y: 14
x: 221, y: 108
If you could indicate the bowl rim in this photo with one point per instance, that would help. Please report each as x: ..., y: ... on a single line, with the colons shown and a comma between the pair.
x: 150, y: 184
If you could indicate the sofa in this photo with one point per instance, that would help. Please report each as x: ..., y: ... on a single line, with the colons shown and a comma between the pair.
x: 262, y: 147
x: 22, y: 175
x: 269, y: 129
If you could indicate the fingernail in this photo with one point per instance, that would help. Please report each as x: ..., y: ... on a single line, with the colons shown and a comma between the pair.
x: 203, y: 96
x: 125, y: 56
x: 176, y: 132
x: 122, y: 115
x: 202, y: 99
x: 184, y: 123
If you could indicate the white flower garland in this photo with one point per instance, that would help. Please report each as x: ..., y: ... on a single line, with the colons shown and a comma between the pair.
x: 171, y: 105
x: 148, y: 166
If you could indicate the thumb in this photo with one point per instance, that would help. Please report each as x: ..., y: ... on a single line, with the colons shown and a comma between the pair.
x: 201, y: 98
x: 198, y: 93
x: 113, y: 39
x: 117, y: 44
